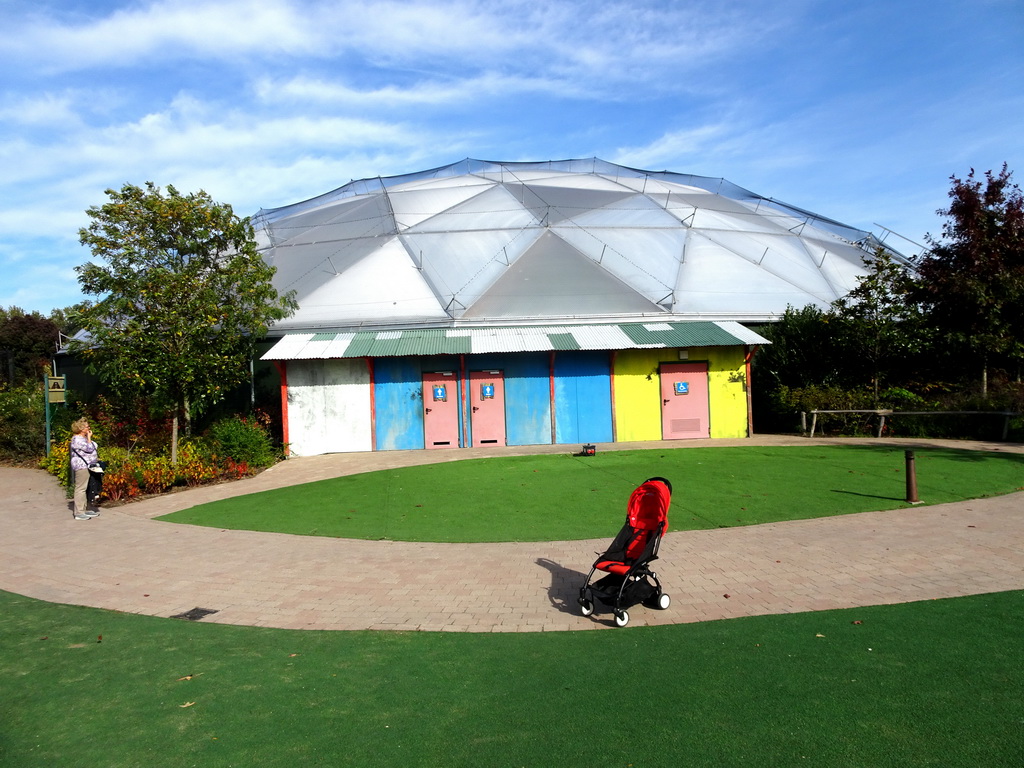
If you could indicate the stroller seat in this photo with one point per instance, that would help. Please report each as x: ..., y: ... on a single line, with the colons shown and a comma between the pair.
x: 630, y: 580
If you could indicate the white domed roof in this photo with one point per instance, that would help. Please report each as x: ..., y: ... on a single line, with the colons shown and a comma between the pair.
x: 481, y: 242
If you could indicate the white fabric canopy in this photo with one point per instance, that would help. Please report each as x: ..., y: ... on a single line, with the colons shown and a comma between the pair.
x: 580, y: 240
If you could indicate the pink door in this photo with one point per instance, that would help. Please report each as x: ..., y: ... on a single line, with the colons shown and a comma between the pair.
x: 487, y: 407
x: 684, y: 401
x: 441, y: 409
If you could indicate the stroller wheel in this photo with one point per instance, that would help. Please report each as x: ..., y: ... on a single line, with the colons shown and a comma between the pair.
x: 621, y: 618
x: 586, y: 607
x: 659, y: 601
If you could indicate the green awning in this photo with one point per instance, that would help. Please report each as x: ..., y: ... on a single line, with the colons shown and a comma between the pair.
x: 474, y: 341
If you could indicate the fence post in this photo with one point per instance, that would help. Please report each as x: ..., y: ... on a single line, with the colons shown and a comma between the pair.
x: 911, y: 478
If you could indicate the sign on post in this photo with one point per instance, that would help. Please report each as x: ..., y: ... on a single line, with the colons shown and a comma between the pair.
x: 55, y: 389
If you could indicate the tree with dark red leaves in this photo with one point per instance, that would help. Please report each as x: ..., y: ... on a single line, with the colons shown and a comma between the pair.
x: 972, y: 278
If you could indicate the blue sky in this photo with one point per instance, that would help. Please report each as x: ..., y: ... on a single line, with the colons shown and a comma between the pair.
x: 857, y: 111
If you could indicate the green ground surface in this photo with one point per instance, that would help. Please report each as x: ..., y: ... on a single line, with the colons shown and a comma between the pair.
x: 937, y: 683
x: 563, y: 497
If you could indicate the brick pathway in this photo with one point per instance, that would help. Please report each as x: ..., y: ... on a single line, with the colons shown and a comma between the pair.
x: 125, y: 560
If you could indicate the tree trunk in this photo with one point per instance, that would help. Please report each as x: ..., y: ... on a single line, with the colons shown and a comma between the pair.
x: 984, y: 376
x: 187, y: 413
x: 174, y: 440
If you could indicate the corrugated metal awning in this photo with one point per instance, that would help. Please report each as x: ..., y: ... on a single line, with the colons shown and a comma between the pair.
x: 475, y: 341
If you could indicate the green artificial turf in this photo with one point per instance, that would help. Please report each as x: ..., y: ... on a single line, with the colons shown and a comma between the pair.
x: 563, y: 497
x: 937, y: 683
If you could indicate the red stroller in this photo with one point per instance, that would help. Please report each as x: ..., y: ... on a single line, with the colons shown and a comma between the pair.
x: 626, y: 561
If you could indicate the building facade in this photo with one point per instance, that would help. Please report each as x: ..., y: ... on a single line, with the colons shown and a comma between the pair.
x: 414, y: 390
x: 576, y: 301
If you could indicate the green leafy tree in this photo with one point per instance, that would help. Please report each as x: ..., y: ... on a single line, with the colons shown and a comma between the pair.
x: 881, y: 325
x: 972, y: 279
x: 66, y: 318
x: 804, y: 350
x: 182, y: 299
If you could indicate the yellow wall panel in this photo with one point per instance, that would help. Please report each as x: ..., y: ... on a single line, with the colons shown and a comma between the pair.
x: 727, y: 392
x: 638, y: 391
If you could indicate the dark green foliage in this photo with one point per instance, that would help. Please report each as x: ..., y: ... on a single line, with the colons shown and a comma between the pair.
x: 878, y: 327
x: 936, y: 683
x: 243, y: 439
x: 22, y: 428
x: 804, y: 350
x: 27, y: 342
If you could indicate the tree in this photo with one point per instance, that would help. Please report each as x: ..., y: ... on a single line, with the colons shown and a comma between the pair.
x: 972, y: 279
x: 66, y: 318
x: 804, y: 350
x: 881, y: 325
x: 183, y: 298
x: 27, y: 343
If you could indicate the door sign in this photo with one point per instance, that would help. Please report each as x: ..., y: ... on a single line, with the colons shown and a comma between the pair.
x: 682, y: 387
x: 487, y: 391
x: 440, y: 393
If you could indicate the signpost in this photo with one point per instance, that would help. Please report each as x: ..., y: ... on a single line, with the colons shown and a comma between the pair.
x: 55, y: 387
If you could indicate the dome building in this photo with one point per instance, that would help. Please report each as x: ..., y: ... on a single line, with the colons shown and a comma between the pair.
x: 578, y: 301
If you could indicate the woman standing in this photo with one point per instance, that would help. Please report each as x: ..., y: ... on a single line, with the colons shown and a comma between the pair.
x: 83, y: 453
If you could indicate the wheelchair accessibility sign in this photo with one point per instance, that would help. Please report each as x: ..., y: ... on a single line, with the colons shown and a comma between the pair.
x: 682, y: 387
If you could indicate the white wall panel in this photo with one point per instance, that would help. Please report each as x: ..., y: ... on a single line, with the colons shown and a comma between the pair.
x: 328, y: 407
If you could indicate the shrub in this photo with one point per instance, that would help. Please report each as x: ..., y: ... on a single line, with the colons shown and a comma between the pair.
x: 232, y: 449
x: 245, y: 440
x: 828, y: 398
x: 155, y: 474
x: 22, y: 427
x: 58, y: 463
x: 195, y: 464
x: 128, y: 423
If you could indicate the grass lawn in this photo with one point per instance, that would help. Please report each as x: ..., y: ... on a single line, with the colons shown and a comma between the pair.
x: 937, y: 683
x: 563, y: 497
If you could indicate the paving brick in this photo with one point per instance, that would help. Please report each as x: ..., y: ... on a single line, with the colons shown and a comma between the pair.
x: 126, y: 560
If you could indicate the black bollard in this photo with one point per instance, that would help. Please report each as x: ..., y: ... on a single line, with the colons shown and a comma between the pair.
x: 911, y: 478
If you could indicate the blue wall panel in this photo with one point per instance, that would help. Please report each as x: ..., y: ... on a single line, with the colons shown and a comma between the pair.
x: 398, y: 397
x: 527, y: 394
x: 583, y: 400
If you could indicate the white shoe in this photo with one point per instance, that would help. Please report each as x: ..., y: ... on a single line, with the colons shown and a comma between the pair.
x: 92, y: 513
x: 82, y: 516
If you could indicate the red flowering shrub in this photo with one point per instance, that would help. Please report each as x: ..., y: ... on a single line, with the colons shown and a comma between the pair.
x: 142, y: 467
x: 120, y: 484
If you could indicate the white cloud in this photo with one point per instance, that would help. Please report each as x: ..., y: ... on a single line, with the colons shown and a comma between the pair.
x: 40, y: 109
x: 316, y: 92
x: 169, y: 30
x: 598, y: 43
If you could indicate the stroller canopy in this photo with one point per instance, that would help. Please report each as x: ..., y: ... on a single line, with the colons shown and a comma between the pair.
x: 646, y: 513
x: 648, y: 505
